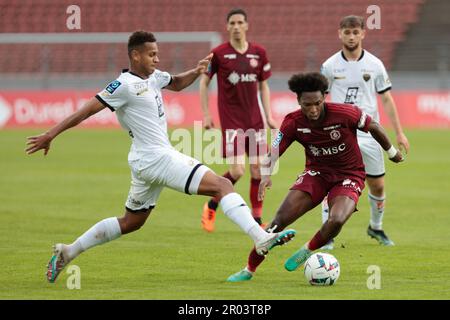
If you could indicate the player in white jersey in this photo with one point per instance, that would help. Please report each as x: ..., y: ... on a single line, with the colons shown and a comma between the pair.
x: 356, y: 76
x: 136, y: 98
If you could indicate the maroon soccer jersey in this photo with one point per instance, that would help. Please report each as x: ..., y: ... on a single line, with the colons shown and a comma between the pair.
x: 237, y: 78
x: 330, y: 146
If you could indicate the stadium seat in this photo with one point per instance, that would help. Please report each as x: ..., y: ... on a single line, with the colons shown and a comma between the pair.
x: 296, y: 33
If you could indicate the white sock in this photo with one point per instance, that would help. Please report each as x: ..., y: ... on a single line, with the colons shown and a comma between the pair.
x: 237, y: 210
x: 104, y: 231
x: 325, y: 210
x: 376, y: 211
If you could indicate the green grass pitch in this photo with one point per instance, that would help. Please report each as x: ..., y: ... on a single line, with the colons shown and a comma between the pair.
x: 85, y: 178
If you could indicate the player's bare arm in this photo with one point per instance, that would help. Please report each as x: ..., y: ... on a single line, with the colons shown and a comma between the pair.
x: 43, y: 141
x: 265, y: 99
x: 185, y: 79
x: 381, y: 137
x: 266, y: 168
x: 391, y: 111
x: 204, y: 84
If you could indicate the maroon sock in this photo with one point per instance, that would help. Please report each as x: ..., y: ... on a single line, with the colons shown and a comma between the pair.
x: 213, y: 203
x: 317, y: 241
x: 256, y: 204
x: 254, y: 260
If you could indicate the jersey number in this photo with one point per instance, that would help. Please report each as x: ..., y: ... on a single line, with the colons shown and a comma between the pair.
x: 160, y: 106
x: 351, y: 96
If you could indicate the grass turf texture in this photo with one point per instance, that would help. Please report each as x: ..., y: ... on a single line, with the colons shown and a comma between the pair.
x: 85, y: 178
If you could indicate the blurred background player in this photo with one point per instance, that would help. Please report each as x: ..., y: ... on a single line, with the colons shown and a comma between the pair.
x: 356, y: 76
x: 333, y: 165
x: 136, y: 98
x: 242, y: 68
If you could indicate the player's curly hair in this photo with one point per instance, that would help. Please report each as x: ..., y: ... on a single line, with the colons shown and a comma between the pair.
x: 138, y: 38
x: 308, y: 82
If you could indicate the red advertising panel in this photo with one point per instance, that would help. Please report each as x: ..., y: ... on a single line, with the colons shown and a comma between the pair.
x: 46, y: 108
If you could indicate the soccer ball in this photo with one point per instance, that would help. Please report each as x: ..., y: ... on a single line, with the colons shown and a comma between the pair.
x: 322, y: 269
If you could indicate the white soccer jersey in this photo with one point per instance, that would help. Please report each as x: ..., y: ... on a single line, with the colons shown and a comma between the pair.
x: 139, y: 109
x: 357, y: 82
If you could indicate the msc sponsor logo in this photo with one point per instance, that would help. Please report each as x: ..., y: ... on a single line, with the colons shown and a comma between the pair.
x: 235, y: 77
x: 326, y: 151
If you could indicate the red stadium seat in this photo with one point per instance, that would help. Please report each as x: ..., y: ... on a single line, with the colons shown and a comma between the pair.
x: 296, y: 33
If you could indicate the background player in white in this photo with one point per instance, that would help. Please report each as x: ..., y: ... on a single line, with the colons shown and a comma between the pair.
x: 356, y: 76
x: 155, y: 164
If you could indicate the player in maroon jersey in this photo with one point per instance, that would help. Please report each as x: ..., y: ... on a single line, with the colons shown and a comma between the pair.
x: 242, y: 68
x: 333, y: 166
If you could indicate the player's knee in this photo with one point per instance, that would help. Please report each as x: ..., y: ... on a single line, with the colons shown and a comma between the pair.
x: 223, y: 186
x: 336, y: 222
x: 237, y: 172
x: 132, y: 227
x: 376, y: 186
x: 132, y: 222
x: 377, y: 190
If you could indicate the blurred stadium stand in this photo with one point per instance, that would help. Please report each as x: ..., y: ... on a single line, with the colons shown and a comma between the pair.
x: 298, y: 35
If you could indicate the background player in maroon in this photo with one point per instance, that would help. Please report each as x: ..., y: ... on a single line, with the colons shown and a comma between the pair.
x: 242, y: 68
x: 333, y: 166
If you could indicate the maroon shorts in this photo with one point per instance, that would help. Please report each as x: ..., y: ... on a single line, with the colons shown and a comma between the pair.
x: 236, y: 142
x: 319, y: 184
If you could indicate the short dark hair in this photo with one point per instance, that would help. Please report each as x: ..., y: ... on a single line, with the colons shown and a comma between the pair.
x: 237, y: 11
x: 138, y: 38
x: 308, y: 82
x: 352, y: 21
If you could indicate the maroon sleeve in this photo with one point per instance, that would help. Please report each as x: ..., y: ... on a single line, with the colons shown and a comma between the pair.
x: 266, y: 70
x: 285, y: 136
x: 359, y: 119
x: 213, y: 65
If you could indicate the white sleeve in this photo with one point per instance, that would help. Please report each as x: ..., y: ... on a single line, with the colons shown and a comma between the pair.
x: 114, y: 96
x: 382, y: 81
x: 325, y: 70
x: 163, y: 79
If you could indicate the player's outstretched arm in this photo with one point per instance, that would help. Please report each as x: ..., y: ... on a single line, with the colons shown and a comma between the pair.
x: 44, y: 140
x: 265, y: 99
x: 266, y: 168
x: 203, y: 91
x: 391, y: 111
x: 381, y: 137
x: 185, y: 79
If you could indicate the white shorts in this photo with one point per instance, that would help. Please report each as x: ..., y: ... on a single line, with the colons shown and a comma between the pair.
x: 372, y: 154
x: 168, y: 168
